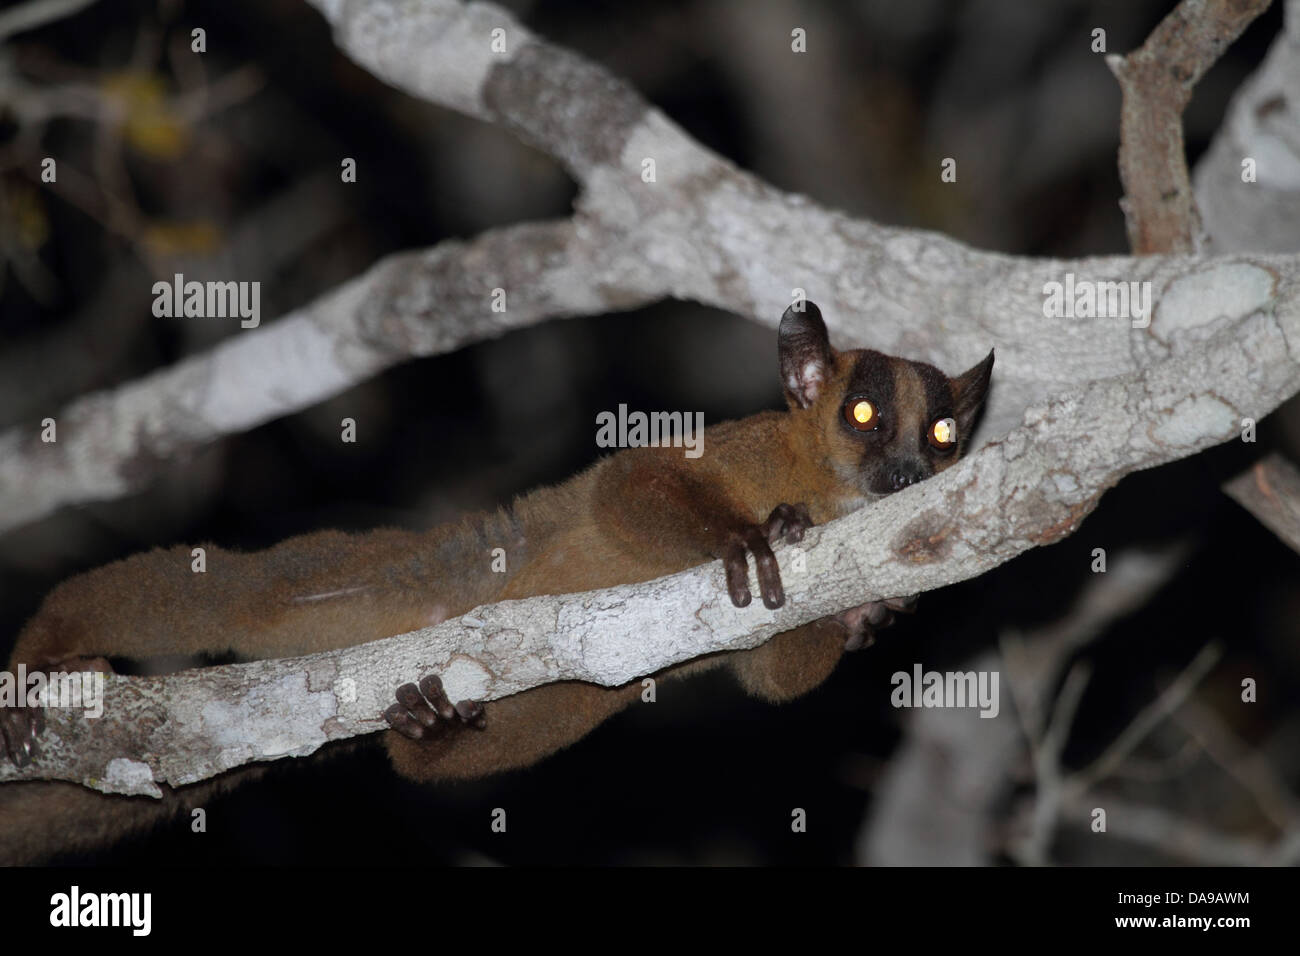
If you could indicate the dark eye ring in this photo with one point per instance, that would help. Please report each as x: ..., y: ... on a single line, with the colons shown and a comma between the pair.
x: 861, y: 414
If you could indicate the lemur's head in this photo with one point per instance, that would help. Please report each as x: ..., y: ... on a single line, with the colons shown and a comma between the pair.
x: 884, y: 422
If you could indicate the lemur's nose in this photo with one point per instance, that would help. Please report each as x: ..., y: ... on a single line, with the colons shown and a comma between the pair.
x: 903, y: 476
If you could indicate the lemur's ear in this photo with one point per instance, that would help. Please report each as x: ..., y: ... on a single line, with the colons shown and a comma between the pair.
x: 805, y: 352
x: 969, y: 390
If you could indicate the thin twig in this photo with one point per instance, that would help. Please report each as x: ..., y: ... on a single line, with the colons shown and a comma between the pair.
x: 1148, y: 718
x: 38, y: 13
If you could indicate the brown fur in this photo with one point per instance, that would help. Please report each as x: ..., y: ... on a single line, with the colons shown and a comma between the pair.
x: 635, y: 515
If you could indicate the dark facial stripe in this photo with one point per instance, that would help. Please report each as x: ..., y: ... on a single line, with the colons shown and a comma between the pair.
x: 938, y: 393
x: 873, y: 377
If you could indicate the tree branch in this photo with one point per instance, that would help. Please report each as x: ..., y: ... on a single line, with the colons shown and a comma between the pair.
x: 1170, y: 833
x: 945, y: 792
x: 1157, y: 82
x: 37, y: 13
x: 704, y: 230
x: 110, y: 443
x: 1248, y: 182
x: 1270, y: 490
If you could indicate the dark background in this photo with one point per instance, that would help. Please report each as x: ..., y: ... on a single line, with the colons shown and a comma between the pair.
x: 1009, y: 88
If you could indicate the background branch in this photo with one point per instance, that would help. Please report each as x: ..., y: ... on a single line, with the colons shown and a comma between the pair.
x: 704, y: 230
x: 1270, y: 490
x: 37, y: 13
x: 1258, y: 209
x: 943, y: 797
x: 1157, y: 81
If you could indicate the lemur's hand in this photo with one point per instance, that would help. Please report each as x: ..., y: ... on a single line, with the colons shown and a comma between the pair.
x: 863, y: 621
x: 21, y: 726
x: 785, y: 523
x: 425, y: 712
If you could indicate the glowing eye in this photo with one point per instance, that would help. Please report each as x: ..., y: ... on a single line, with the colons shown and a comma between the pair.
x: 943, y: 433
x: 860, y: 413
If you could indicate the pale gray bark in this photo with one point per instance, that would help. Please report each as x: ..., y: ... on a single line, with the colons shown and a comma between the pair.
x: 1262, y: 126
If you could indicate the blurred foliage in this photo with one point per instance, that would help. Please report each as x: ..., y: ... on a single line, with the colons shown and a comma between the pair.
x: 150, y: 124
